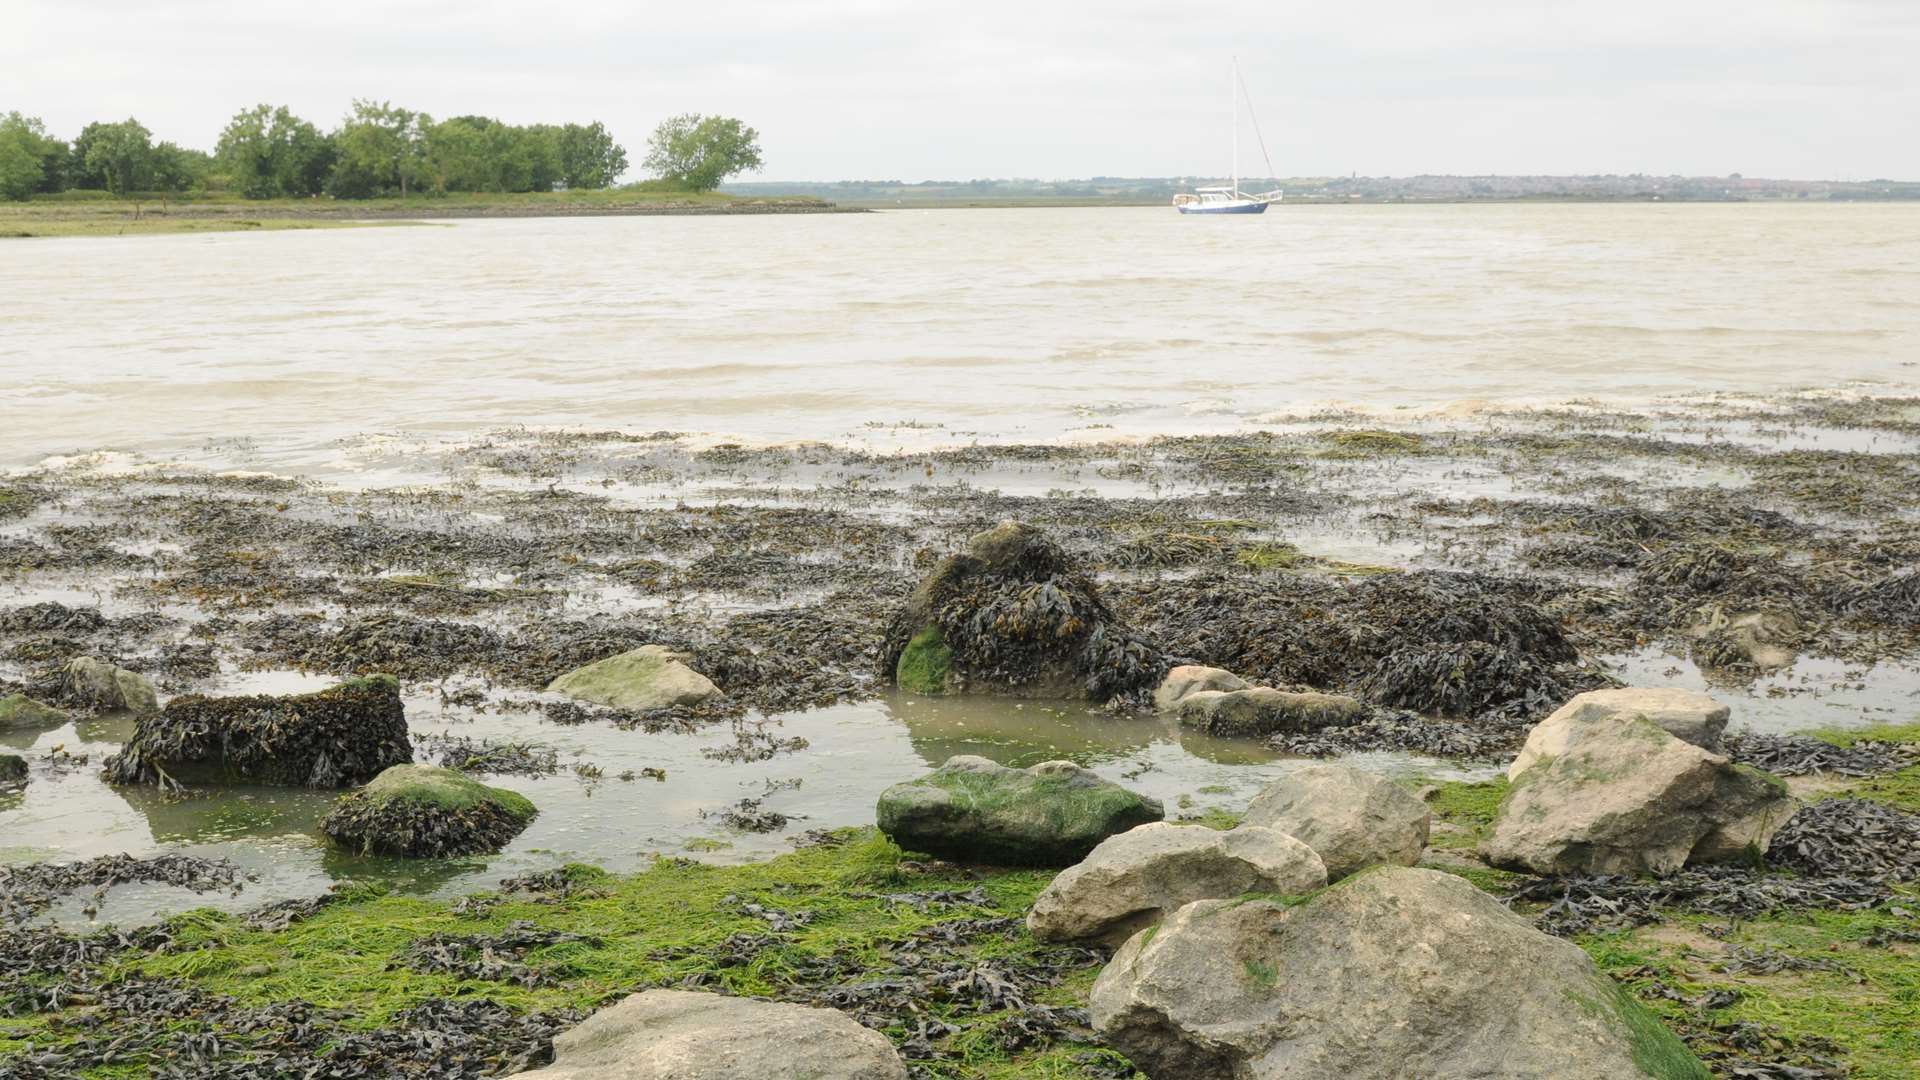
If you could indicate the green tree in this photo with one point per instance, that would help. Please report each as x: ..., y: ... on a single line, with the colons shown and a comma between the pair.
x: 29, y: 134
x: 272, y: 153
x: 478, y: 153
x: 22, y: 156
x: 698, y: 152
x: 382, y: 150
x: 79, y: 173
x: 589, y: 158
x: 121, y: 155
x: 176, y: 169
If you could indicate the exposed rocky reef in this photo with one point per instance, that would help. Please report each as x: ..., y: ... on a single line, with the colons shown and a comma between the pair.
x: 1010, y: 615
x: 331, y: 738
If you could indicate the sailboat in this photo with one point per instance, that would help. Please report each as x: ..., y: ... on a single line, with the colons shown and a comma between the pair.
x: 1230, y: 199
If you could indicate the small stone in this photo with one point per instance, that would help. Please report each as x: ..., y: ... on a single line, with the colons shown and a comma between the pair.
x: 1260, y: 711
x: 1352, y: 819
x: 975, y: 810
x: 682, y: 1035
x: 1132, y: 880
x: 1189, y: 678
x: 649, y: 677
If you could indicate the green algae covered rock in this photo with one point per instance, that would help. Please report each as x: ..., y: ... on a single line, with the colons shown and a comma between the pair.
x: 924, y: 664
x: 333, y: 738
x: 975, y: 810
x: 649, y: 677
x: 13, y: 770
x: 425, y: 810
x: 19, y: 712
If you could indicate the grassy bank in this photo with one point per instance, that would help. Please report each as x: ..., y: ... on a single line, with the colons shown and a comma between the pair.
x: 935, y: 954
x: 50, y: 217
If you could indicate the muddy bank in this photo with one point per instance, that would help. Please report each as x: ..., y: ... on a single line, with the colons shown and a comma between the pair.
x: 1458, y: 578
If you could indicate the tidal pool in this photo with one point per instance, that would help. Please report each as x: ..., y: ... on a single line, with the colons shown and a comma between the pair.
x: 853, y: 752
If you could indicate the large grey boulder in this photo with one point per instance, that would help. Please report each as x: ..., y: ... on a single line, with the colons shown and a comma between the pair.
x: 975, y: 810
x: 1352, y: 819
x: 1192, y: 678
x: 1392, y: 973
x: 681, y: 1035
x: 649, y: 677
x: 1685, y: 714
x: 1132, y: 880
x: 104, y: 686
x: 1626, y: 797
x: 1262, y: 710
x: 18, y: 712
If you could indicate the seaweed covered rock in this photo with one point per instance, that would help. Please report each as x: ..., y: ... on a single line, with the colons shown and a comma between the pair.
x: 426, y: 810
x: 1192, y: 679
x: 1685, y: 714
x: 1397, y: 972
x: 683, y: 1035
x: 332, y: 738
x: 649, y: 677
x: 13, y: 770
x: 1262, y: 710
x: 975, y: 810
x: 96, y: 684
x: 1626, y: 797
x: 1350, y: 818
x: 1132, y: 880
x: 1453, y: 644
x: 18, y: 712
x: 1009, y: 616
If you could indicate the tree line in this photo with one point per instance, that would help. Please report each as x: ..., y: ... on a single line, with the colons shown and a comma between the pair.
x: 378, y: 150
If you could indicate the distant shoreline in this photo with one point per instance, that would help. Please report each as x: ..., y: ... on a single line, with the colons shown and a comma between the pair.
x: 1034, y: 203
x: 47, y: 218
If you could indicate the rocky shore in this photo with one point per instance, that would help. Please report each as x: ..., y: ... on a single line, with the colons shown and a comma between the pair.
x: 1622, y: 620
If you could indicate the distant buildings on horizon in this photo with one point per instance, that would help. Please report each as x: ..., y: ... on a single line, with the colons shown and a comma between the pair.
x: 1426, y: 188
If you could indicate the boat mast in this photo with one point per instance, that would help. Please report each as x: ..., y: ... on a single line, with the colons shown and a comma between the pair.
x: 1233, y: 115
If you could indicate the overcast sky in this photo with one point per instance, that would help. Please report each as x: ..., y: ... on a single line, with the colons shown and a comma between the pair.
x: 866, y: 89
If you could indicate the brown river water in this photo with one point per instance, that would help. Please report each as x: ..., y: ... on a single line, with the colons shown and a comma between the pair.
x: 361, y: 357
x: 1035, y: 324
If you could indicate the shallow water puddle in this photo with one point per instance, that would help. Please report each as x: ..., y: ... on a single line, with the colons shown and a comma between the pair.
x: 853, y: 752
x: 1813, y: 693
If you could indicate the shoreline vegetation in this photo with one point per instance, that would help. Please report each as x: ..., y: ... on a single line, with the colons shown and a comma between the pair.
x: 273, y: 170
x: 58, y: 217
x: 1510, y: 562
